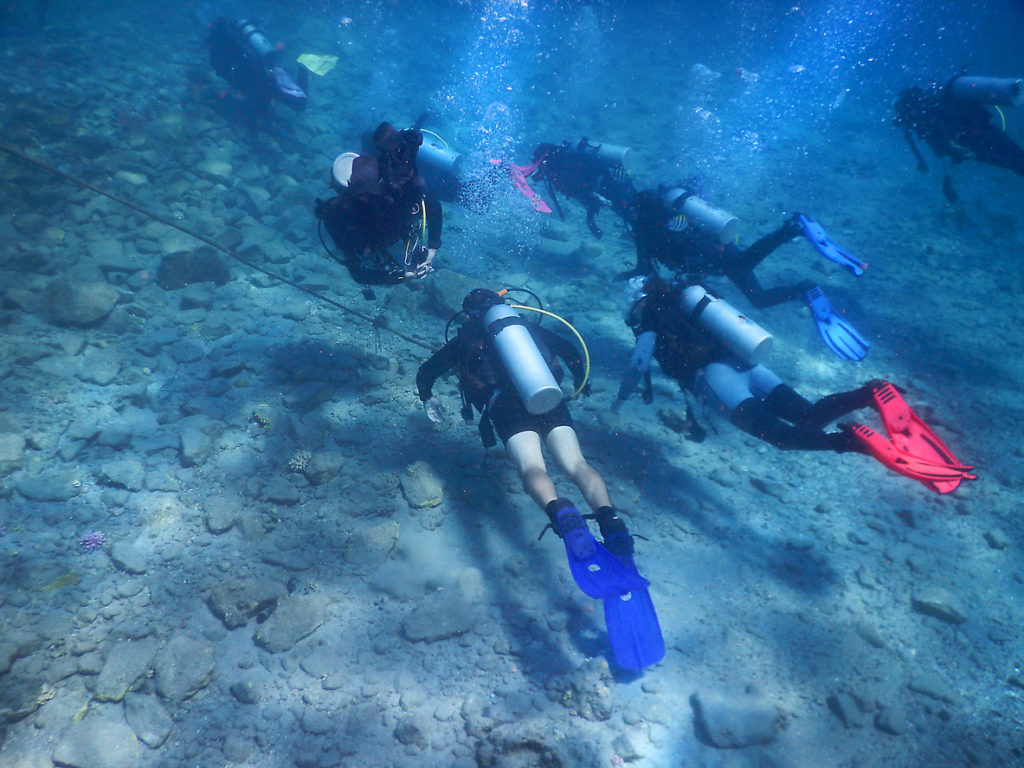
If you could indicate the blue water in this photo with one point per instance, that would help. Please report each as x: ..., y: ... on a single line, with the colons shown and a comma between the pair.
x: 263, y: 435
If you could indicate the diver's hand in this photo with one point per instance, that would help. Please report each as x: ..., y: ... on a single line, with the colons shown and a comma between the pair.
x: 434, y: 410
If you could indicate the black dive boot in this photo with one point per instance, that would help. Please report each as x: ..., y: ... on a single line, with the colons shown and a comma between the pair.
x: 596, y: 571
x: 617, y: 538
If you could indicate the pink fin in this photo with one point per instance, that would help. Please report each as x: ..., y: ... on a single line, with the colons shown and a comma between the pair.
x: 518, y: 174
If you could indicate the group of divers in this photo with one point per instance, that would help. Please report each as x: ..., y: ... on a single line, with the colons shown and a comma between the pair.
x: 385, y: 220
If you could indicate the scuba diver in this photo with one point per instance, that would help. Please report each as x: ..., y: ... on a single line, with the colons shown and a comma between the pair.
x: 594, y: 174
x: 714, y: 352
x: 660, y: 227
x: 508, y: 371
x: 247, y: 60
x: 381, y: 200
x: 955, y: 121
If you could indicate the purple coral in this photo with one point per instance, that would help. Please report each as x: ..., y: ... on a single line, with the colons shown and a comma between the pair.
x: 92, y: 541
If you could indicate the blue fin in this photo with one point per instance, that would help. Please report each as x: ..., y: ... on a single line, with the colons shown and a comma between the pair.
x: 632, y: 622
x: 837, y: 333
x: 596, y: 570
x: 824, y: 245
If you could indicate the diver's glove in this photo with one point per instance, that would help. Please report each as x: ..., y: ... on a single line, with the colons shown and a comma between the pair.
x: 434, y: 410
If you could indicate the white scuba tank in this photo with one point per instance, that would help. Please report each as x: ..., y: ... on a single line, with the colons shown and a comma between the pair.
x: 988, y: 90
x: 748, y: 341
x: 700, y: 211
x: 435, y: 159
x: 341, y: 170
x: 612, y: 154
x: 530, y: 374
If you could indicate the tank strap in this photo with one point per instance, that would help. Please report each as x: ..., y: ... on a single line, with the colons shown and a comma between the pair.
x: 499, y: 325
x: 699, y: 309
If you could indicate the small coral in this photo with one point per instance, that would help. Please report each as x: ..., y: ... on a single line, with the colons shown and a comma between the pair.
x: 91, y: 541
x: 261, y: 419
x: 299, y: 461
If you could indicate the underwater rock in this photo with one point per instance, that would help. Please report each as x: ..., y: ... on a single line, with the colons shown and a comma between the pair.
x: 148, y: 718
x: 587, y: 690
x: 934, y: 688
x: 941, y: 604
x: 323, y: 467
x: 246, y: 691
x: 845, y: 708
x: 183, y: 667
x: 12, y: 452
x: 19, y: 697
x: 220, y: 514
x: 730, y: 720
x: 216, y: 171
x: 234, y: 604
x: 280, y: 491
x: 412, y: 731
x: 107, y: 251
x: 421, y: 486
x: 98, y: 744
x: 892, y: 720
x: 439, y: 615
x: 534, y: 743
x: 55, y: 485
x: 128, y: 558
x: 557, y: 231
x: 183, y: 268
x: 129, y: 474
x: 295, y: 618
x: 79, y: 303
x: 195, y: 447
x: 127, y: 661
x: 994, y: 537
x: 99, y: 366
x: 369, y: 548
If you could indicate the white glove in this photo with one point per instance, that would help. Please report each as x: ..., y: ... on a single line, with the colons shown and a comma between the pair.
x: 434, y: 410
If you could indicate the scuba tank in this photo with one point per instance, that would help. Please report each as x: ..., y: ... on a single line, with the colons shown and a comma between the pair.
x: 1007, y: 91
x: 609, y: 155
x: 440, y: 166
x: 251, y: 35
x: 341, y: 170
x: 679, y: 201
x: 521, y: 358
x: 437, y: 161
x: 748, y: 341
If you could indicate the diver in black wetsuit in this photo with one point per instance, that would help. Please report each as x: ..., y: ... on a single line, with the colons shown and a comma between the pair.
x: 385, y: 201
x: 594, y: 174
x: 752, y: 397
x: 247, y: 60
x: 696, y: 252
x: 955, y: 120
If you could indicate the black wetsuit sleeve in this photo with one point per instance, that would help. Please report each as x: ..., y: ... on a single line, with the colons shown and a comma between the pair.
x: 435, y: 221
x: 440, y: 363
x: 565, y: 349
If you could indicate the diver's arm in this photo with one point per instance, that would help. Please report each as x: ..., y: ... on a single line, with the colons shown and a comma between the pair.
x: 565, y: 349
x: 639, y: 365
x: 440, y: 363
x: 922, y: 166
